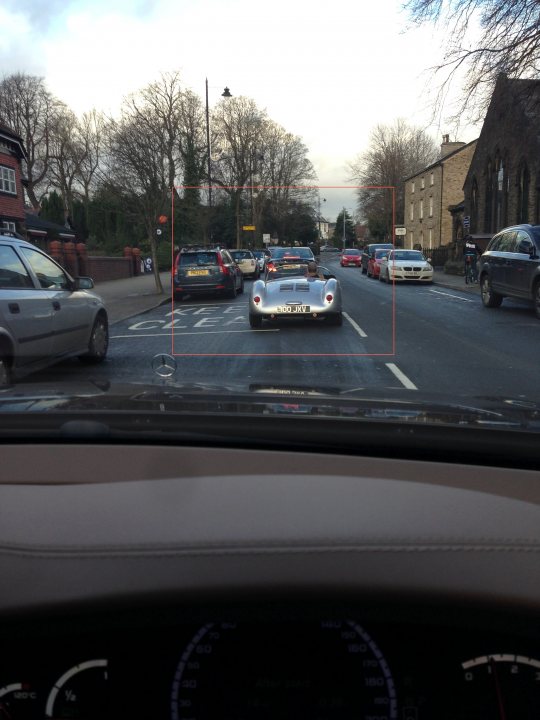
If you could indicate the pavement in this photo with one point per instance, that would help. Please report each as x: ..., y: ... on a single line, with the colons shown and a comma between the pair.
x: 132, y: 296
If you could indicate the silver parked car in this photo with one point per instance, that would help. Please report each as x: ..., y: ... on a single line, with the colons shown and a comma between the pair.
x: 45, y: 314
x: 287, y: 292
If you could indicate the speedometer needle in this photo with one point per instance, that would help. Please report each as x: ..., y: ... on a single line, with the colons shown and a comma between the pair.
x: 493, y: 666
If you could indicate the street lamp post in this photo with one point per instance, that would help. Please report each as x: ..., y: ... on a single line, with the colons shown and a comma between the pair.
x: 319, y: 216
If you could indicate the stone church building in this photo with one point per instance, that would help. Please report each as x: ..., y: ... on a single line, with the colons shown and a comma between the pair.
x: 502, y: 186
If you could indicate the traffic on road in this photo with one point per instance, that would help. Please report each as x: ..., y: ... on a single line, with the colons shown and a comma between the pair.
x: 392, y: 337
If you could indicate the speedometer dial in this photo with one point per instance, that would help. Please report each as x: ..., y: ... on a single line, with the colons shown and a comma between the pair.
x: 331, y: 669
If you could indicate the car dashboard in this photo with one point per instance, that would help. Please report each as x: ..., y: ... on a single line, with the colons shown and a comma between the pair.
x: 185, y: 582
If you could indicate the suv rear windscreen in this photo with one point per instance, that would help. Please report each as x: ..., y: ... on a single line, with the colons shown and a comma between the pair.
x: 198, y: 258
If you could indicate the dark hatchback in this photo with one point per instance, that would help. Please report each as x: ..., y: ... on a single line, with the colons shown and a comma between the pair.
x: 369, y: 251
x: 206, y: 271
x: 510, y: 267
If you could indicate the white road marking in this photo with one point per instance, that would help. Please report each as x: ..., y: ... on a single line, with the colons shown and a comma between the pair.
x: 355, y: 325
x: 401, y: 376
x: 457, y: 297
x: 203, y: 332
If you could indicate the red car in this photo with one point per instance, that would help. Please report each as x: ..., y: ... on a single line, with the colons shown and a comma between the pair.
x: 351, y: 256
x: 374, y: 263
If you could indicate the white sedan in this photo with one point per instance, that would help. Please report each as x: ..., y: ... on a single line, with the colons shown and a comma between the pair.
x: 400, y: 265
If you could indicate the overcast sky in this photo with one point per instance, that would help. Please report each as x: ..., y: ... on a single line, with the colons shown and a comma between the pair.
x: 327, y: 72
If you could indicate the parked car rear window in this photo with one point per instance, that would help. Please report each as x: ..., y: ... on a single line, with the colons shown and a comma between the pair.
x: 241, y: 254
x: 198, y: 258
x: 352, y: 251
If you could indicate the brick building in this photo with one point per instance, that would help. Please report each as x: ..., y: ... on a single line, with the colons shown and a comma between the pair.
x: 502, y: 186
x: 12, y: 153
x: 431, y: 192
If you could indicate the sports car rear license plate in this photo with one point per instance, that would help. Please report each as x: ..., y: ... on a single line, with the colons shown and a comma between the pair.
x: 198, y: 272
x: 293, y: 308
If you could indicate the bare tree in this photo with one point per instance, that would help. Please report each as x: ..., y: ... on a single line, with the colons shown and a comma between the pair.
x: 91, y: 135
x: 237, y: 129
x: 65, y: 156
x: 142, y: 154
x: 395, y: 152
x: 29, y: 109
x: 509, y: 43
x: 285, y: 169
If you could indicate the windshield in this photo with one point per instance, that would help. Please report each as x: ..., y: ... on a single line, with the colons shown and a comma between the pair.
x: 407, y: 255
x: 299, y: 252
x: 143, y: 165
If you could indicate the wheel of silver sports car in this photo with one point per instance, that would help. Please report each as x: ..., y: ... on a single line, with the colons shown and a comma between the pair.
x: 99, y: 342
x: 335, y: 319
x: 255, y: 321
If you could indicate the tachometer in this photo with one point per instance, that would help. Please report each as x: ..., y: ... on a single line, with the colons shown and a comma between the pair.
x: 331, y: 669
x: 501, y: 686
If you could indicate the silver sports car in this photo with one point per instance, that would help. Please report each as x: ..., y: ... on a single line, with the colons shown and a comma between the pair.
x: 287, y: 291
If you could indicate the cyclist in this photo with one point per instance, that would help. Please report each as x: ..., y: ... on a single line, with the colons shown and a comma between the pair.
x: 471, y: 253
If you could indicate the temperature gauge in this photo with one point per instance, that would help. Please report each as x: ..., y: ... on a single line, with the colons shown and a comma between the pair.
x: 17, y: 701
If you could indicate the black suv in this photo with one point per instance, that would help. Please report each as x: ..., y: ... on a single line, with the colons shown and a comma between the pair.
x: 206, y: 271
x: 510, y: 267
x: 369, y: 250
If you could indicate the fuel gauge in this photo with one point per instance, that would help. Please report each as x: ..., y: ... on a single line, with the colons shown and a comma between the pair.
x: 81, y: 692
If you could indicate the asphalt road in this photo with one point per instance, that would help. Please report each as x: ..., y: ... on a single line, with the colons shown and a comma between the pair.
x: 414, y: 337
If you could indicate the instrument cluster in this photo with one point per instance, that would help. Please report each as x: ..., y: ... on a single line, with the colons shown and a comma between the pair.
x: 172, y: 666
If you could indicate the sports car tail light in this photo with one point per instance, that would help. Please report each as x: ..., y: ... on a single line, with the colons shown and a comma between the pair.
x: 329, y: 297
x: 256, y: 299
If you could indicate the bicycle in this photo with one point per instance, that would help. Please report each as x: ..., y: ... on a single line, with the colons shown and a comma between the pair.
x: 471, y: 275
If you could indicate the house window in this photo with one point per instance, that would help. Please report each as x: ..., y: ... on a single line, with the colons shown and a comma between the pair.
x: 411, y: 239
x: 421, y: 209
x: 523, y: 194
x: 7, y: 180
x: 430, y: 238
x: 431, y: 179
x: 422, y: 184
x: 411, y: 213
x: 412, y: 186
x: 474, y: 206
x: 488, y: 213
x: 431, y: 206
x: 7, y: 225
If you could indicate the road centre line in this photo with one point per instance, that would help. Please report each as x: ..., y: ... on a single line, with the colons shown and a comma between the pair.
x: 457, y: 297
x: 401, y: 376
x: 355, y: 325
x: 203, y: 332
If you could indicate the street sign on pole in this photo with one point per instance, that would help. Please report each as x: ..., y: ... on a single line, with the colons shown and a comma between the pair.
x: 248, y: 227
x: 400, y: 231
x: 266, y: 238
x: 466, y: 222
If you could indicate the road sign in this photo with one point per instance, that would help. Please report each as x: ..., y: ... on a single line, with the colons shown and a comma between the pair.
x: 248, y: 227
x: 401, y: 231
x: 266, y: 238
x: 466, y: 222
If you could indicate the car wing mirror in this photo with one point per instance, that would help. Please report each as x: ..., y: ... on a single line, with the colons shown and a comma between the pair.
x: 84, y: 283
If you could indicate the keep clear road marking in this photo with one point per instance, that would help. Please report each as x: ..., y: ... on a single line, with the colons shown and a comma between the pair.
x: 355, y: 325
x: 401, y: 376
x: 456, y: 297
